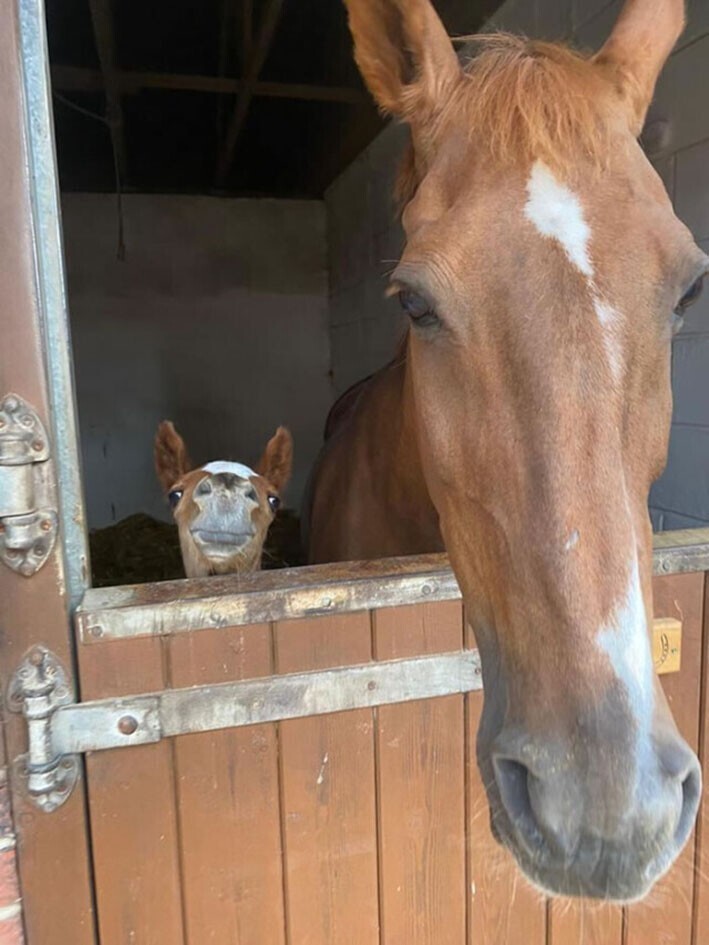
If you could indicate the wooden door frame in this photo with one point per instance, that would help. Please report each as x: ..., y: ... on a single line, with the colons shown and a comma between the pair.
x: 53, y: 851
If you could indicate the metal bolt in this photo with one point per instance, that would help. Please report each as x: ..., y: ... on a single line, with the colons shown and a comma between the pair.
x: 127, y: 725
x: 66, y: 764
x: 665, y: 566
x: 371, y: 685
x: 38, y: 549
x: 326, y: 602
x: 10, y: 405
x: 36, y: 656
x: 96, y: 631
x: 426, y: 590
x: 26, y: 420
x: 46, y: 525
x: 37, y: 446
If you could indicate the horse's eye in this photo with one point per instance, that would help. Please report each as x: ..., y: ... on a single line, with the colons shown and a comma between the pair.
x: 417, y: 308
x: 690, y: 296
x: 174, y: 497
x: 274, y: 502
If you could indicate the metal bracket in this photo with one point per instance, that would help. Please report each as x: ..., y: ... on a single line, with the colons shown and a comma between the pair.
x: 37, y: 689
x: 60, y: 729
x: 28, y: 527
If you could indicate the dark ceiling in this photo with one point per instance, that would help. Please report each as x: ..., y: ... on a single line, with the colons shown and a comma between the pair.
x: 235, y: 97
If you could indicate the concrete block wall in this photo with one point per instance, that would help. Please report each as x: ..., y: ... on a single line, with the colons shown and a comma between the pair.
x: 217, y: 319
x: 365, y: 237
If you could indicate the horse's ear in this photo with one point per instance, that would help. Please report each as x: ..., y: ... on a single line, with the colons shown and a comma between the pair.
x: 638, y: 48
x: 171, y: 458
x: 277, y: 460
x: 403, y: 52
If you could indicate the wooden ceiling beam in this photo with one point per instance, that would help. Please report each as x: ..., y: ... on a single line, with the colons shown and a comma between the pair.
x: 80, y: 79
x: 259, y: 52
x: 102, y: 21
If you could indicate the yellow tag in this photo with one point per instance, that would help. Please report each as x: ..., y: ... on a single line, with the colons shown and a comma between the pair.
x: 667, y: 644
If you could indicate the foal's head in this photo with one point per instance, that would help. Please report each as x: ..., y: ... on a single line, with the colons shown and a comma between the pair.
x: 544, y: 275
x: 223, y: 510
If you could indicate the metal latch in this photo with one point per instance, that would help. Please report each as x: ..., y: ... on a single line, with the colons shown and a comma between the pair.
x: 28, y: 524
x: 60, y: 730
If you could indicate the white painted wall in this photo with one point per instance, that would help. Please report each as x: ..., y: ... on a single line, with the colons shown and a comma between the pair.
x: 365, y: 238
x: 217, y: 319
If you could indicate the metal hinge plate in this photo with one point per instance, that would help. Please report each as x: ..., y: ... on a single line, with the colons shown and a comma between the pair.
x: 60, y: 730
x: 28, y: 523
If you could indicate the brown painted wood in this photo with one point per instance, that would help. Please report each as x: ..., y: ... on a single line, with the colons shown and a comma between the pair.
x: 52, y: 849
x: 502, y: 906
x: 421, y: 788
x: 587, y: 923
x: 701, y: 858
x: 328, y: 796
x: 132, y: 805
x: 227, y: 789
x: 665, y: 918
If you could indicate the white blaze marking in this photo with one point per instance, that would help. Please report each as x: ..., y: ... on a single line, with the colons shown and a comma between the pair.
x: 625, y: 641
x: 557, y: 213
x: 238, y: 469
x: 609, y: 319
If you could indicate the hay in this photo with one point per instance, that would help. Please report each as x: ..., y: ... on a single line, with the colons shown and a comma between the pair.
x: 139, y: 549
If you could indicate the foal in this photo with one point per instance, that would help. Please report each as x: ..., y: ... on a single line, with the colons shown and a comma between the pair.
x: 223, y: 510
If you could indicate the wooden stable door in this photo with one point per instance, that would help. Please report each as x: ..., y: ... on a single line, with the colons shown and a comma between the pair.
x: 362, y: 826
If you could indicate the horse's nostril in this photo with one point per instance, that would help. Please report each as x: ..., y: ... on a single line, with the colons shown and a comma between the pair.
x: 691, y: 794
x: 513, y: 784
x: 204, y: 488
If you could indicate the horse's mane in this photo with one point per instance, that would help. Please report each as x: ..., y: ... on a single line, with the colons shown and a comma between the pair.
x: 525, y: 100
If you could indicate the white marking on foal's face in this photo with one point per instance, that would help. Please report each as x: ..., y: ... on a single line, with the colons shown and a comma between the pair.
x: 557, y: 213
x: 238, y: 469
x: 624, y: 639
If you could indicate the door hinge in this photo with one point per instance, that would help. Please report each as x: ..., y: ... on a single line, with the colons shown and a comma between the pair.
x: 28, y: 522
x: 60, y: 730
x: 37, y: 689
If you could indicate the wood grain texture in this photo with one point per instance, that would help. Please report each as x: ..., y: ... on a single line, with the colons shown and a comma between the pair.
x: 227, y: 790
x: 573, y: 922
x: 665, y: 918
x: 421, y: 789
x: 502, y: 906
x: 328, y: 796
x: 133, y: 812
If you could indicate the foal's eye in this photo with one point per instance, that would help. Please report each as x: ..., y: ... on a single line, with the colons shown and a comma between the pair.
x: 690, y: 296
x: 274, y: 502
x: 418, y: 308
x: 174, y: 497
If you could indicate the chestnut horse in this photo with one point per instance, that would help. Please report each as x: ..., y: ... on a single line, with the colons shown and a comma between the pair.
x: 223, y: 510
x: 543, y: 277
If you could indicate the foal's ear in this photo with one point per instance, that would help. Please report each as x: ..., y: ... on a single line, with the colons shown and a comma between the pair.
x: 638, y: 48
x: 171, y: 458
x: 403, y: 52
x: 277, y: 460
